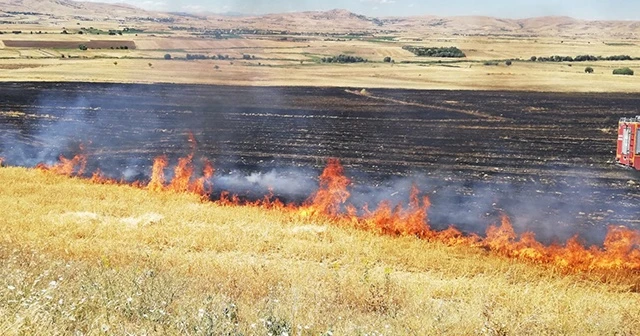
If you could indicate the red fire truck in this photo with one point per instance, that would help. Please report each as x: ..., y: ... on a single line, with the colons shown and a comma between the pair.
x: 628, y: 153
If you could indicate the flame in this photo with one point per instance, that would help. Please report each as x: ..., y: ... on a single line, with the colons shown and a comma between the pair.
x: 620, y: 251
x: 98, y: 177
x: 182, y: 175
x: 67, y: 167
x: 157, y: 174
x: 203, y: 185
x: 332, y: 192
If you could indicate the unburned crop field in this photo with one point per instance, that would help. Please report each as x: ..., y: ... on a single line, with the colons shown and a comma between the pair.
x: 93, y: 44
x: 544, y: 159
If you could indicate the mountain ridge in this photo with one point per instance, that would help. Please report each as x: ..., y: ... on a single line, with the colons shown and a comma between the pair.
x: 341, y: 20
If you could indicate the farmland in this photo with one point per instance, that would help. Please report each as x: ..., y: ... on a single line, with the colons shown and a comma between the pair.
x: 545, y: 159
x: 281, y: 54
x: 94, y: 44
x: 113, y: 259
x: 314, y: 173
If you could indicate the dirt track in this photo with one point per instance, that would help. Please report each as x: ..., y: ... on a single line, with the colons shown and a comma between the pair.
x: 545, y: 159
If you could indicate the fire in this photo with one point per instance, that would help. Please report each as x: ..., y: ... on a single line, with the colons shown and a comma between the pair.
x: 620, y: 251
x: 332, y: 192
x: 67, y: 167
x: 203, y: 185
x: 157, y: 174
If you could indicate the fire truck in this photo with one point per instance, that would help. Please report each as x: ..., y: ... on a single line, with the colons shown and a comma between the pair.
x: 628, y: 152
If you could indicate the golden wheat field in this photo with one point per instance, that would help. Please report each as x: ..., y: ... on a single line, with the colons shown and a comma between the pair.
x: 83, y: 258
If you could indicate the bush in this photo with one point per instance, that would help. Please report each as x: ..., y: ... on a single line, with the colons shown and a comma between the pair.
x: 581, y: 58
x: 508, y: 62
x: 343, y: 59
x: 167, y: 56
x: 435, y: 51
x: 623, y: 71
x: 588, y: 70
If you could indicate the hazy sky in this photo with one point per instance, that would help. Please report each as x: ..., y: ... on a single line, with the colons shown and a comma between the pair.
x: 585, y: 9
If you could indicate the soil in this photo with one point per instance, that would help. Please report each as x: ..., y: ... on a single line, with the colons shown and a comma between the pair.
x: 545, y: 159
x: 93, y: 44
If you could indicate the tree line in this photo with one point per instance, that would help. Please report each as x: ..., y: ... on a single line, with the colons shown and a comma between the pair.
x: 581, y: 58
x: 344, y: 59
x: 435, y: 51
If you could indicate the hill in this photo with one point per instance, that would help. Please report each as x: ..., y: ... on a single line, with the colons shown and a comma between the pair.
x: 338, y: 21
x: 65, y: 8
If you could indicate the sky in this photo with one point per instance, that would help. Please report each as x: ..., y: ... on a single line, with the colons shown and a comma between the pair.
x: 582, y: 9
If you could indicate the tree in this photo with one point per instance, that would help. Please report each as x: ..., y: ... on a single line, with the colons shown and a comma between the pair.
x: 167, y: 56
x: 82, y: 47
x: 588, y: 70
x: 533, y: 58
x: 387, y: 59
x: 508, y: 62
x: 623, y: 71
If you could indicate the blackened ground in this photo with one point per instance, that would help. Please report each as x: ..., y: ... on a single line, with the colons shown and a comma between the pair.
x: 545, y: 159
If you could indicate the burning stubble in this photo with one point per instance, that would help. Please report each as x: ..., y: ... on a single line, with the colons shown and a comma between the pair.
x: 330, y: 203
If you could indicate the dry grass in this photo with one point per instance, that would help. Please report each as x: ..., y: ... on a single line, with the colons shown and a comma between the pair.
x: 277, y: 63
x: 90, y: 259
x: 466, y: 76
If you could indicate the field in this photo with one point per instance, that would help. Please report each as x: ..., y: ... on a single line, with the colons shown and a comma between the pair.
x: 545, y: 159
x: 295, y: 60
x: 96, y: 44
x: 117, y: 260
x: 193, y: 182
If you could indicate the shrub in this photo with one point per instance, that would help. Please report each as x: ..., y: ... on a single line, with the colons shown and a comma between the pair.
x: 581, y: 58
x: 508, y: 62
x: 167, y: 56
x: 623, y: 71
x: 588, y: 70
x: 435, y: 51
x: 343, y: 59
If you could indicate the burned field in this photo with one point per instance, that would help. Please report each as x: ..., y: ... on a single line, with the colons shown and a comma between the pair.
x: 544, y: 159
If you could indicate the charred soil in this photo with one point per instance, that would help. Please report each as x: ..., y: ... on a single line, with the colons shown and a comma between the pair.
x: 545, y: 159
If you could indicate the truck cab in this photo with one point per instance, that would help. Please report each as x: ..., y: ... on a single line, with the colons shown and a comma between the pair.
x: 628, y: 151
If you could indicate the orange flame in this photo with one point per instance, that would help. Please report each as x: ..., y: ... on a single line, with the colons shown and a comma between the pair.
x: 67, y: 167
x: 157, y: 174
x: 621, y: 247
x: 182, y: 175
x: 332, y: 192
x: 202, y: 185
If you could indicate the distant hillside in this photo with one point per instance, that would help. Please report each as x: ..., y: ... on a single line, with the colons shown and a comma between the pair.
x: 340, y: 21
x: 65, y: 8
